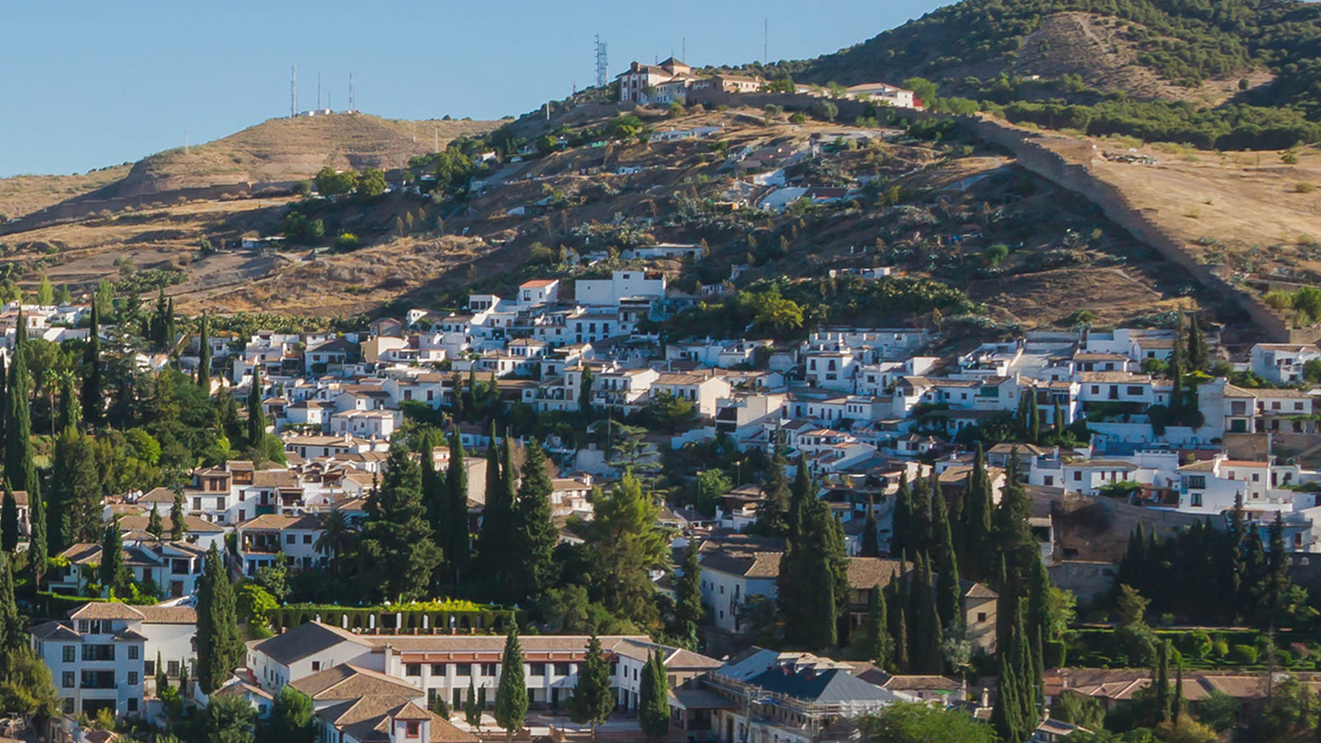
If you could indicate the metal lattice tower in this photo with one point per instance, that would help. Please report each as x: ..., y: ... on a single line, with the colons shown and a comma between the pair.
x: 293, y: 92
x: 602, y: 65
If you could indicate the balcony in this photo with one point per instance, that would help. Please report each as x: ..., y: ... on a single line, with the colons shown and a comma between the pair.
x: 98, y: 680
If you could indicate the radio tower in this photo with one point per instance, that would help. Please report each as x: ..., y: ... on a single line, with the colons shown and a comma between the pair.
x: 293, y: 92
x: 351, y: 108
x: 602, y: 65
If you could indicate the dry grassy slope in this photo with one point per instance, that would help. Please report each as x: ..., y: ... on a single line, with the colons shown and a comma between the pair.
x: 1076, y: 43
x: 291, y: 149
x: 25, y: 194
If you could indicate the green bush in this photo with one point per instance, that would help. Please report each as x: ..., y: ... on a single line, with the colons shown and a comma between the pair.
x: 346, y: 242
x: 1243, y: 654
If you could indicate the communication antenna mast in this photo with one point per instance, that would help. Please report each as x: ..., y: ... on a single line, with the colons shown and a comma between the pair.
x: 765, y: 40
x: 293, y: 92
x: 187, y: 147
x: 318, y: 91
x: 602, y: 63
x: 351, y: 103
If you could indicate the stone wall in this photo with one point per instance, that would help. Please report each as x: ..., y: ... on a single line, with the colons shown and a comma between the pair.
x: 1041, y: 160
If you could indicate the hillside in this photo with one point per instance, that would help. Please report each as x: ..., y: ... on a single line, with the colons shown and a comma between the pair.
x: 284, y: 149
x: 25, y: 194
x: 1216, y: 73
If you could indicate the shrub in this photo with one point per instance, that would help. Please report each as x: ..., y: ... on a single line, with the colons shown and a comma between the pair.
x: 797, y: 117
x: 1304, y: 187
x: 1244, y: 654
x: 1220, y: 648
x: 346, y: 242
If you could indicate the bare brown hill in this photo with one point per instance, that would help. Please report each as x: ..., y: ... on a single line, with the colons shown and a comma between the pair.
x: 279, y: 150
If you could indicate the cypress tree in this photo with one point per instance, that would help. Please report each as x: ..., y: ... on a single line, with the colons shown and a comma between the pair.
x: 93, y: 395
x: 536, y: 532
x: 949, y: 595
x: 901, y: 661
x: 20, y: 467
x: 4, y: 399
x: 435, y: 492
x: 1279, y: 583
x: 1176, y: 376
x: 925, y: 652
x: 979, y: 548
x: 871, y: 546
x: 653, y: 698
x: 1057, y: 421
x: 12, y: 635
x: 877, y: 646
x: 1198, y: 355
x: 688, y: 608
x: 919, y: 518
x: 471, y: 712
x: 1177, y: 713
x: 511, y: 695
x: 113, y: 573
x: 1161, y: 682
x: 456, y: 482
x: 168, y: 344
x: 804, y: 489
x: 178, y: 527
x: 204, y: 359
x: 901, y: 529
x: 155, y: 526
x: 37, y: 543
x: 9, y: 529
x: 256, y: 417
x: 773, y: 515
x: 592, y: 700
x: 1005, y: 714
x: 498, y: 527
x: 219, y: 647
x: 1034, y: 416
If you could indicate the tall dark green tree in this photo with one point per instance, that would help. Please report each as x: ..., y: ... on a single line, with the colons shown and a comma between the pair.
x: 113, y: 572
x: 901, y: 529
x: 496, y: 563
x: 37, y: 543
x: 814, y: 587
x: 456, y: 484
x: 871, y: 539
x: 9, y: 527
x: 291, y: 717
x: 944, y: 562
x: 919, y: 517
x: 585, y: 393
x: 12, y: 636
x: 256, y: 416
x: 219, y: 647
x: 804, y: 489
x: 1161, y: 683
x: 4, y: 398
x: 178, y: 527
x: 593, y: 700
x: 926, y: 638
x: 980, y: 560
x: 204, y: 358
x: 688, y: 609
x: 773, y: 513
x: 20, y: 467
x: 536, y: 532
x: 877, y: 646
x: 1199, y: 358
x: 435, y: 491
x: 511, y: 700
x: 92, y: 392
x: 653, y: 698
x: 1279, y: 583
x: 397, y: 555
x: 155, y: 525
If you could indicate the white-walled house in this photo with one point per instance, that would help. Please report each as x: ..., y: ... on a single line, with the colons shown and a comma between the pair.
x: 1281, y: 363
x: 104, y: 654
x: 621, y: 285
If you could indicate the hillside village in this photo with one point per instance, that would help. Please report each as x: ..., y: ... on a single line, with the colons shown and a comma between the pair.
x: 706, y: 406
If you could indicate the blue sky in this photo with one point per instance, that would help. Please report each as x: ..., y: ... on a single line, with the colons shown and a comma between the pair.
x: 88, y: 84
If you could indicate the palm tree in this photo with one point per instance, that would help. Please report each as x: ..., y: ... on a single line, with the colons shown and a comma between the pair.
x: 336, y: 538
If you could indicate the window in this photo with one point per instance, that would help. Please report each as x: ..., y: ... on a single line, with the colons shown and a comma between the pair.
x: 1096, y: 389
x: 537, y: 669
x: 316, y: 666
x: 438, y: 669
x: 132, y: 678
x: 289, y: 539
x: 414, y: 728
x: 465, y: 669
x: 981, y: 616
x: 68, y: 705
x: 307, y: 539
x: 172, y: 669
x: 413, y: 669
x: 1135, y: 391
x: 133, y: 651
x: 1197, y: 482
x: 1077, y: 476
x: 70, y: 653
x: 68, y: 680
x: 561, y: 669
x: 1197, y: 500
x: 488, y: 669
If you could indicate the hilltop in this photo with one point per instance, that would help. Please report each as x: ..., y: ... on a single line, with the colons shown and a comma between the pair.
x: 274, y: 151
